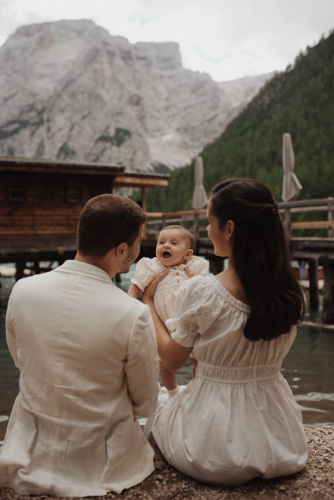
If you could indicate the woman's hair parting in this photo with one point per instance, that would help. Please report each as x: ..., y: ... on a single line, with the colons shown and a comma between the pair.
x: 260, y: 256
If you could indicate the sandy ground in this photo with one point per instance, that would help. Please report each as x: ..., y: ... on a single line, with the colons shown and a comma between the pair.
x: 316, y: 482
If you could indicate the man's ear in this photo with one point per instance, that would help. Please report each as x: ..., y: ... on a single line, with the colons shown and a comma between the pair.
x: 121, y: 250
x: 189, y: 254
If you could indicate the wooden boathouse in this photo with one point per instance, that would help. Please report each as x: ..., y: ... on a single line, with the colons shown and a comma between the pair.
x: 40, y: 203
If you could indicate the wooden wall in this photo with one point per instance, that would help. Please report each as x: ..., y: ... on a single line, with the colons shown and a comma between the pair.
x: 45, y: 212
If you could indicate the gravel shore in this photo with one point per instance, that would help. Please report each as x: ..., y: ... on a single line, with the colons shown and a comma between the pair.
x: 316, y: 482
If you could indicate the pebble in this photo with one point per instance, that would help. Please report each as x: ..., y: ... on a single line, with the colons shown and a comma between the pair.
x: 159, y: 465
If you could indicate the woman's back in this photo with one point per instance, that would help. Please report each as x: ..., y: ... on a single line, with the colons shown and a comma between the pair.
x: 237, y: 419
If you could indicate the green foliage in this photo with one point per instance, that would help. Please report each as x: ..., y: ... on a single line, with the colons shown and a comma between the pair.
x: 299, y: 101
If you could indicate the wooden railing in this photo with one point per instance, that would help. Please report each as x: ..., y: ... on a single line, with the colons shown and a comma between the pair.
x: 195, y: 220
x: 308, y: 206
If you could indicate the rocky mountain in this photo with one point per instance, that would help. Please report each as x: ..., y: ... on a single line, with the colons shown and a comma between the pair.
x: 69, y: 90
x: 300, y: 101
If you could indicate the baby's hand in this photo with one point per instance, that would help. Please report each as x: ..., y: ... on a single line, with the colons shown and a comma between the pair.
x: 188, y: 272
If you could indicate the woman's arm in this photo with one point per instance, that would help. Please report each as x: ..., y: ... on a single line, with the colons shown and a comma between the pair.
x: 172, y: 354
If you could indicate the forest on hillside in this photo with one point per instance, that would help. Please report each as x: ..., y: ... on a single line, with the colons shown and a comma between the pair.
x: 299, y: 101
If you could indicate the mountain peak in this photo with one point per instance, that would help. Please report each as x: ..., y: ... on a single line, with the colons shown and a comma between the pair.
x: 70, y: 90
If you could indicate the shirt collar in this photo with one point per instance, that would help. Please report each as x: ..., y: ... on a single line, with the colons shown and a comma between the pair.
x: 76, y: 267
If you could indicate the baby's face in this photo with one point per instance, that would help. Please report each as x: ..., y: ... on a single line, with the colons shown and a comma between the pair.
x: 172, y: 248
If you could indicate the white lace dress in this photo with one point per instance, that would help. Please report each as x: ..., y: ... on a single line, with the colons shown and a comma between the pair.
x: 238, y: 418
x: 164, y: 297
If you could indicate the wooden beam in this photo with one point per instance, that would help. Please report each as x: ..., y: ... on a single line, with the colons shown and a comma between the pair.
x: 154, y: 214
x: 328, y: 291
x: 176, y: 214
x: 314, y: 286
x: 143, y: 199
x: 305, y: 203
x: 321, y: 224
x: 38, y: 232
x: 138, y: 181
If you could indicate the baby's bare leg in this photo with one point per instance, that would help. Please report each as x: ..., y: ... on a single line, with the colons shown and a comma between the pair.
x: 168, y: 378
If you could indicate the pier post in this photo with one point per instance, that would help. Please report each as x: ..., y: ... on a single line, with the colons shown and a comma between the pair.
x: 216, y: 265
x: 330, y: 216
x: 20, y: 266
x: 287, y: 222
x: 328, y: 292
x: 196, y: 230
x: 314, y: 286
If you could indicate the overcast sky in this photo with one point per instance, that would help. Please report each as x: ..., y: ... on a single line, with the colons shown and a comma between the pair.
x: 226, y: 38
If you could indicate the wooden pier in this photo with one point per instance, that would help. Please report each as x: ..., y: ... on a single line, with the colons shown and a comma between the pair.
x: 314, y: 249
x: 40, y: 203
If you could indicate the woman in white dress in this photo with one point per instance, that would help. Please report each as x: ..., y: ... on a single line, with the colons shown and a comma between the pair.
x: 237, y: 419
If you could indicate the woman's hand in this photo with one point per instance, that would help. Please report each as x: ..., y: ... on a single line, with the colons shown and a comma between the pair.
x: 188, y: 272
x: 150, y: 289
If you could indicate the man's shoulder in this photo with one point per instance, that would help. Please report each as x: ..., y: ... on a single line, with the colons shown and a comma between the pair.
x: 135, y: 305
x: 122, y: 302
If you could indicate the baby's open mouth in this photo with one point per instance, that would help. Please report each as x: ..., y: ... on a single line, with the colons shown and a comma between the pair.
x: 166, y: 255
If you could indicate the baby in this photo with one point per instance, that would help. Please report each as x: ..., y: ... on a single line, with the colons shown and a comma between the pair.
x: 174, y: 252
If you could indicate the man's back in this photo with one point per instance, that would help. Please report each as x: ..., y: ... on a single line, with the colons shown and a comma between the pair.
x: 88, y: 363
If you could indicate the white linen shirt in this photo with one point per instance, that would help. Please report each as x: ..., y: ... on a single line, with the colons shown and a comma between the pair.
x: 165, y: 294
x: 88, y: 360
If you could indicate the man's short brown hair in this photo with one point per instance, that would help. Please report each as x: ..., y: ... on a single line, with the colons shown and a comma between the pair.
x: 187, y: 234
x: 105, y: 222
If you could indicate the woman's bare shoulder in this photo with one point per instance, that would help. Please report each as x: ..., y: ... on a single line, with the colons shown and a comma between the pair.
x: 232, y: 283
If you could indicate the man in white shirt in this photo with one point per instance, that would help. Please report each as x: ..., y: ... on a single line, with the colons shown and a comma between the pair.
x: 89, y: 366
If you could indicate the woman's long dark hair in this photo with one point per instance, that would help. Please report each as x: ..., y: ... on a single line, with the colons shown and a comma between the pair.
x: 260, y: 256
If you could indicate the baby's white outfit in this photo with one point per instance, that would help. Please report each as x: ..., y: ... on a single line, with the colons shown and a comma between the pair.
x: 164, y: 297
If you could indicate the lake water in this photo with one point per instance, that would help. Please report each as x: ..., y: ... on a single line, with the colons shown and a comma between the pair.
x: 308, y: 368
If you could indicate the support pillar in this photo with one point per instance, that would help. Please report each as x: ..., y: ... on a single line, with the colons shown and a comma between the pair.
x: 196, y: 232
x: 216, y: 265
x: 328, y: 292
x: 287, y: 223
x: 330, y: 216
x: 143, y: 199
x: 36, y: 267
x: 314, y: 286
x: 143, y: 206
x: 20, y: 266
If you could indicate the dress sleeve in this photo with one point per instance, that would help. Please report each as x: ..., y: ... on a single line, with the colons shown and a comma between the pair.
x: 146, y: 271
x: 197, y: 308
x: 201, y: 267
